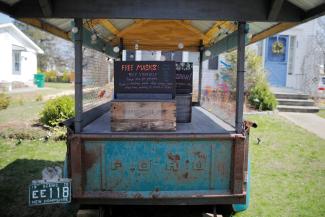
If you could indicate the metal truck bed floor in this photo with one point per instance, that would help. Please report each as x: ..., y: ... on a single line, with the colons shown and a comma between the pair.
x: 203, y: 122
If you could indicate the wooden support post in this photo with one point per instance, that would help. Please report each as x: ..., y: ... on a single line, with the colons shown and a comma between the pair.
x: 240, y: 76
x: 121, y: 46
x: 239, y: 143
x: 78, y: 75
x: 200, y: 73
x: 238, y: 162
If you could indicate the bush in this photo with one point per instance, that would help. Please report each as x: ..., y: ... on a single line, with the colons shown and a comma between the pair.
x: 4, y: 101
x: 50, y: 76
x: 65, y: 77
x: 254, y: 71
x: 259, y: 93
x: 57, y: 110
x: 261, y: 97
x: 39, y: 98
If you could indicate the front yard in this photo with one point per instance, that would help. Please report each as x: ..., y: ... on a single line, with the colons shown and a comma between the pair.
x: 19, y: 119
x: 288, y: 168
x: 19, y: 164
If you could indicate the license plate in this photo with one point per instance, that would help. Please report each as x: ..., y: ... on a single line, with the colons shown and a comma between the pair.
x: 48, y: 192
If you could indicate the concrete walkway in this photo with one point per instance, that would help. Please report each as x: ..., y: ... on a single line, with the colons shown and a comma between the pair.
x: 284, y: 90
x: 311, y: 122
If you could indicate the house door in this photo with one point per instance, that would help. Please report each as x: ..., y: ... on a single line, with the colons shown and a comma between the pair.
x: 276, y: 60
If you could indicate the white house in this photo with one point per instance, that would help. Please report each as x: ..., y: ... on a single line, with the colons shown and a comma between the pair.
x: 18, y: 56
x: 298, y: 64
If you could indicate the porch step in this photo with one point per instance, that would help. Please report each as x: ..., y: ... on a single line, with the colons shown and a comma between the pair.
x: 296, y: 102
x: 303, y: 109
x: 291, y: 96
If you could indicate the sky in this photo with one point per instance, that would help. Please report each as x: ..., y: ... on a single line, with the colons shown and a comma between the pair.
x: 5, y: 19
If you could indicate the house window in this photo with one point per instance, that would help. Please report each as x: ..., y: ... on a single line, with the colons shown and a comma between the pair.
x: 149, y: 55
x: 16, y: 62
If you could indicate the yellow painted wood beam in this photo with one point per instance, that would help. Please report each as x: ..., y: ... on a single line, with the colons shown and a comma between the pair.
x: 217, y: 26
x: 106, y: 24
x: 151, y: 47
x: 212, y: 31
x: 46, y: 27
x: 230, y: 26
x: 272, y: 31
x: 136, y: 24
x: 187, y: 25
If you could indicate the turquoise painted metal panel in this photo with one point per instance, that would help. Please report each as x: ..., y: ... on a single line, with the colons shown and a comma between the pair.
x: 171, y: 166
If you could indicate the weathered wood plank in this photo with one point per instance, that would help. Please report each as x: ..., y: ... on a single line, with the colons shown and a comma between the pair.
x: 143, y: 116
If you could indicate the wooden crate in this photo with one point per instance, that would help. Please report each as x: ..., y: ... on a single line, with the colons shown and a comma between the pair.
x: 141, y: 115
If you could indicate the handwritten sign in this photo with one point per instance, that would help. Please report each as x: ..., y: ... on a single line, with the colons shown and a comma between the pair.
x: 184, y: 77
x: 144, y: 77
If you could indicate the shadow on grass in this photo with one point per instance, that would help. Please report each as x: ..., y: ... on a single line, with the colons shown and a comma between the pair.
x: 165, y: 211
x: 16, y: 177
x: 14, y: 181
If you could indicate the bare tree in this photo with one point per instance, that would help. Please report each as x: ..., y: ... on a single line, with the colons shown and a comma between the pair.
x: 320, y: 38
x: 310, y: 67
x: 58, y: 53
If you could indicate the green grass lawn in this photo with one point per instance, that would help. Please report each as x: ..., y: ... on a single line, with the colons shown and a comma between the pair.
x: 321, y: 113
x: 51, y: 88
x: 24, y: 108
x: 60, y: 86
x: 19, y: 164
x: 25, y: 112
x: 288, y: 172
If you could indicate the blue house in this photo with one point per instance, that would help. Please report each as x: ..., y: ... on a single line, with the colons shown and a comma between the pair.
x: 294, y: 59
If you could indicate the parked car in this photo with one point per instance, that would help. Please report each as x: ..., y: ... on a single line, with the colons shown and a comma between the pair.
x: 321, y: 87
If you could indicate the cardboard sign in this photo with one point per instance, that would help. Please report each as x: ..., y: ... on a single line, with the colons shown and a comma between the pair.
x: 144, y: 77
x: 184, y: 77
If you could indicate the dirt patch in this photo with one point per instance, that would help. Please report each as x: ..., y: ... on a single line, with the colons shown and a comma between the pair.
x: 22, y: 130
